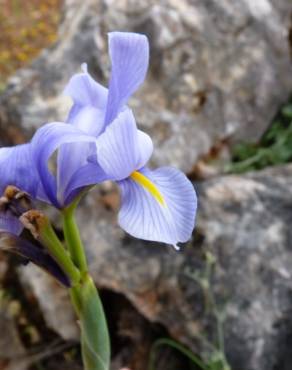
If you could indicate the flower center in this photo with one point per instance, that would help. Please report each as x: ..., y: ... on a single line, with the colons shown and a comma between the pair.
x: 142, y: 180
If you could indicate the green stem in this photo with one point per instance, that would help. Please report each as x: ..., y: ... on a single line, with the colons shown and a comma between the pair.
x: 245, y: 164
x: 95, y: 341
x: 73, y: 239
x: 57, y: 251
x: 75, y: 299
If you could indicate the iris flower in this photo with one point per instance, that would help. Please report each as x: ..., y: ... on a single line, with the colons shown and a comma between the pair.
x: 101, y: 141
x: 17, y: 169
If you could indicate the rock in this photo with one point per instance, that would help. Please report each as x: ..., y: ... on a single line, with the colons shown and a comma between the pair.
x: 244, y: 221
x: 12, y: 352
x: 217, y: 71
x: 53, y: 300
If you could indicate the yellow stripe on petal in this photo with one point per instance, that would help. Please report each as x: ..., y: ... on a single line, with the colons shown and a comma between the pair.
x: 142, y: 180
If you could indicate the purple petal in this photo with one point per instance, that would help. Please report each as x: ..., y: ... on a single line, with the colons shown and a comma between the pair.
x: 89, y: 99
x: 41, y: 194
x: 142, y: 216
x: 87, y: 175
x: 118, y: 151
x: 129, y: 54
x: 87, y: 114
x: 145, y: 145
x: 89, y: 120
x: 17, y: 169
x: 84, y: 91
x: 33, y: 253
x: 72, y: 157
x: 46, y: 140
x: 10, y: 223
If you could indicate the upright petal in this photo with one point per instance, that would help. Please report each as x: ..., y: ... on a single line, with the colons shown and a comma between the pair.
x: 85, y: 91
x: 89, y: 120
x: 17, y: 169
x: 145, y: 145
x: 87, y: 114
x: 129, y: 54
x: 118, y: 150
x: 74, y: 155
x: 164, y: 213
x: 46, y: 140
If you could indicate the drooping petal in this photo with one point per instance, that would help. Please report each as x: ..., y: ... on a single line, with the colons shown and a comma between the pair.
x: 41, y: 194
x: 129, y: 54
x: 84, y: 91
x: 10, y: 223
x: 33, y: 253
x: 17, y: 169
x: 169, y: 218
x: 118, y: 150
x: 46, y: 140
x: 72, y: 157
x: 87, y: 175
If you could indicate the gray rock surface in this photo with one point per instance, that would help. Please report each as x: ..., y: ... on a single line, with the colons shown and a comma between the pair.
x: 53, y: 300
x: 244, y: 221
x: 218, y: 69
x: 12, y: 352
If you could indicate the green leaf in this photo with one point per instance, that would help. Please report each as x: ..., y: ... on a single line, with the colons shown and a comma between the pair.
x: 94, y: 333
x: 185, y: 351
x: 244, y: 151
x: 287, y: 111
x: 274, y: 148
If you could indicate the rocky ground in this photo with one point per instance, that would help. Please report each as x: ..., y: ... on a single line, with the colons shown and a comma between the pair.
x: 219, y: 73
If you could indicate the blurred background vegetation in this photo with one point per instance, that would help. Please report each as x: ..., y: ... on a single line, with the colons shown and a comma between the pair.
x: 274, y: 148
x: 26, y: 27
